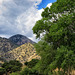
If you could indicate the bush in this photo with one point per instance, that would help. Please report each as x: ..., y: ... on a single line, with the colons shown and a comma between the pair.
x: 16, y: 68
x: 14, y: 73
x: 12, y: 66
x: 2, y: 71
x: 15, y: 62
x: 28, y: 71
x: 32, y: 63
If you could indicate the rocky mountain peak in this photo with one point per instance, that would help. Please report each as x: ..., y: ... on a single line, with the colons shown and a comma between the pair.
x: 20, y: 39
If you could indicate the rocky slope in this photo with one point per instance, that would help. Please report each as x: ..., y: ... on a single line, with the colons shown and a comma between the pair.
x: 25, y: 52
x: 6, y: 45
x: 17, y: 47
x: 13, y: 42
x: 20, y: 39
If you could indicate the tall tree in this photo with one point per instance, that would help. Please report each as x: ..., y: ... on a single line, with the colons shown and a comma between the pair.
x: 58, y: 28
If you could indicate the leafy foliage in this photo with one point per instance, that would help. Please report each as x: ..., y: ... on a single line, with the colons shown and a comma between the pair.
x: 28, y: 71
x: 32, y: 63
x: 57, y: 47
x: 15, y: 73
x: 12, y: 66
x: 2, y: 71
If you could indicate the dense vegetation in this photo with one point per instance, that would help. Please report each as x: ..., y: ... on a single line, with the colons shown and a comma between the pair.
x: 11, y: 66
x: 2, y: 71
x: 32, y: 63
x: 29, y: 69
x: 57, y: 45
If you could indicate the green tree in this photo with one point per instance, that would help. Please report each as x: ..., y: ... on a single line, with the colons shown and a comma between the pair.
x: 47, y: 54
x: 58, y: 29
x: 32, y: 63
x: 26, y: 71
x: 15, y: 73
x: 12, y: 66
x: 64, y: 59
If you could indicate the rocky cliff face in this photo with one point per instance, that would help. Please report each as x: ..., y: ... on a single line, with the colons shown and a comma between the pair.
x: 20, y: 39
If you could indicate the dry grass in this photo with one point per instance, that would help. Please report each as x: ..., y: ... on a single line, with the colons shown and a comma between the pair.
x: 56, y: 70
x: 25, y: 52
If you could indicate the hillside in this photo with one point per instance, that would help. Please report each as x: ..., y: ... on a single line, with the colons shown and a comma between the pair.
x: 6, y: 45
x: 17, y: 47
x: 20, y: 39
x: 25, y: 52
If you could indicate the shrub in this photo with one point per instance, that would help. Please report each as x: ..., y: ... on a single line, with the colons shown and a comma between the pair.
x: 32, y: 63
x: 12, y: 66
x: 14, y: 73
x: 2, y: 71
x: 26, y: 71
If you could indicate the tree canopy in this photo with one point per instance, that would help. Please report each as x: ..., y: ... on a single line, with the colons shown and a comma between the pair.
x: 12, y: 66
x: 57, y: 45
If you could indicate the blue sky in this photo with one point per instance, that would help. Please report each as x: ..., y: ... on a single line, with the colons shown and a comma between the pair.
x: 44, y: 3
x: 20, y: 16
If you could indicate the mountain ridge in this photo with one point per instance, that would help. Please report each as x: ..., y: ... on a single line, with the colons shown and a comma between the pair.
x: 17, y: 47
x: 20, y: 39
x: 6, y: 44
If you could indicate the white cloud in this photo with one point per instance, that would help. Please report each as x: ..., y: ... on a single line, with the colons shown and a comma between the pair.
x: 27, y: 20
x: 19, y: 17
x: 0, y: 1
x: 49, y: 5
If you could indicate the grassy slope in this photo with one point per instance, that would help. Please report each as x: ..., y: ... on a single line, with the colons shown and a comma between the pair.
x: 25, y: 52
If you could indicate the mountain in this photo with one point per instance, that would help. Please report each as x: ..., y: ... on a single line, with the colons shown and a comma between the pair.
x: 23, y: 53
x: 6, y: 45
x: 20, y: 39
x: 13, y: 42
x: 17, y: 47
